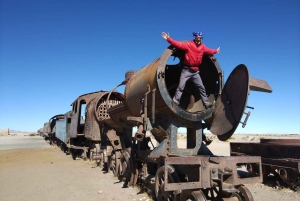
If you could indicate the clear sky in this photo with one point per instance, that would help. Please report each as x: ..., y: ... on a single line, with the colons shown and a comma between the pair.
x: 53, y: 51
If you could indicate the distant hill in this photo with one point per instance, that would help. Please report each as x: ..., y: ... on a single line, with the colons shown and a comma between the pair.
x: 15, y: 131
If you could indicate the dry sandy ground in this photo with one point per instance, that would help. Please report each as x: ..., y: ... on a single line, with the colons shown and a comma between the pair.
x: 48, y: 174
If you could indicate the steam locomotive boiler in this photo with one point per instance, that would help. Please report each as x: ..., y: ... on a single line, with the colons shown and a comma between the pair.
x: 86, y: 131
x: 193, y: 172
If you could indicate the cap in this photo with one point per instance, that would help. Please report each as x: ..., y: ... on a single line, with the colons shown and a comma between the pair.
x: 199, y: 33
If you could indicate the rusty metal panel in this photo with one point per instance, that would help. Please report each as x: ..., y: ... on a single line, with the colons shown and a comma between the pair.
x: 74, y: 124
x: 252, y: 149
x: 91, y: 128
x: 281, y: 141
x: 279, y: 156
x: 62, y: 128
x: 120, y: 114
x: 114, y: 139
x: 209, y: 167
x: 89, y: 96
x: 137, y: 87
x: 185, y: 185
x: 259, y: 85
x: 269, y: 148
x: 231, y: 104
x: 290, y: 163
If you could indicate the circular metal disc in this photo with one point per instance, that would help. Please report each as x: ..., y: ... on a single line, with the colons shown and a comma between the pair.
x: 230, y: 105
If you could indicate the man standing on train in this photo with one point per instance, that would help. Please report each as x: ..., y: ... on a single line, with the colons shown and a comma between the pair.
x: 194, y: 51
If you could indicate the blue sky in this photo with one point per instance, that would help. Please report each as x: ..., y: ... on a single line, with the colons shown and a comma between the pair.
x: 53, y: 51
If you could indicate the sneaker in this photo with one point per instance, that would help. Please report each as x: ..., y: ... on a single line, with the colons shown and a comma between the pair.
x: 209, y: 105
x: 176, y: 101
x: 208, y: 142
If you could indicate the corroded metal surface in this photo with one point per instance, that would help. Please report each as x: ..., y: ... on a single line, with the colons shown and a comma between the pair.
x: 91, y: 126
x: 160, y: 76
x: 103, y: 105
x: 259, y: 85
x: 201, y: 171
x: 77, y: 127
x: 280, y: 157
x: 284, y: 142
x: 95, y: 114
x: 137, y: 87
x: 49, y: 127
x: 114, y: 140
x: 63, y: 128
x: 269, y: 148
x: 231, y: 104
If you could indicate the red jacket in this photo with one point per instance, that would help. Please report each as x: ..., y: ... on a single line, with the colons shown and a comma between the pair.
x: 193, y: 52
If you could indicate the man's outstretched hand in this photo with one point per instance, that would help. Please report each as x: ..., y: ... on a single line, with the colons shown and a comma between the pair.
x: 218, y: 50
x: 165, y: 35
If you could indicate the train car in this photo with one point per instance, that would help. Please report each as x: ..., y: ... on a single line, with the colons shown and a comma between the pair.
x: 40, y: 131
x: 280, y: 157
x: 46, y: 130
x: 86, y: 131
x: 193, y: 172
x: 50, y: 127
x: 62, y: 132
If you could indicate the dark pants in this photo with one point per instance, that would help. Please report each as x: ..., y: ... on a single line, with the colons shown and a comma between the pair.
x: 189, y: 74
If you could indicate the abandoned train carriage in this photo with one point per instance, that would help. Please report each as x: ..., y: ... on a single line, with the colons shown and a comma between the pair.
x: 280, y: 157
x: 49, y: 128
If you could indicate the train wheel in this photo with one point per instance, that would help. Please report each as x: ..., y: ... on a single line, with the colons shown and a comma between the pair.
x: 133, y: 174
x: 61, y: 147
x: 73, y: 154
x: 118, y: 168
x: 214, y: 192
x: 244, y: 194
x: 192, y: 195
x: 68, y: 151
x: 116, y: 163
x: 98, y: 151
x: 112, y: 163
x: 160, y: 193
x: 125, y: 163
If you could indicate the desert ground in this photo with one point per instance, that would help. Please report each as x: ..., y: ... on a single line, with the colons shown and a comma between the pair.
x: 31, y: 169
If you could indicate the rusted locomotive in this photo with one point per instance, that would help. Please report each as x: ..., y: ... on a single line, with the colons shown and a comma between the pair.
x: 84, y: 130
x: 170, y: 172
